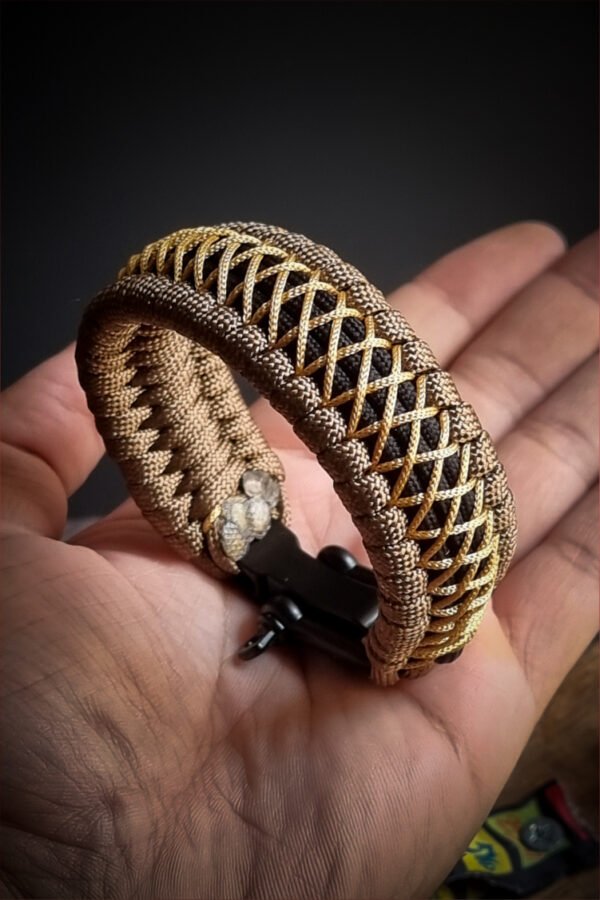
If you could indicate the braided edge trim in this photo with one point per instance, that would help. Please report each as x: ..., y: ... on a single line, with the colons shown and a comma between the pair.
x: 403, y: 593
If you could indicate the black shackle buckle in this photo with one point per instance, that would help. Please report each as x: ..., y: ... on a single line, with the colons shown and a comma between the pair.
x: 329, y: 601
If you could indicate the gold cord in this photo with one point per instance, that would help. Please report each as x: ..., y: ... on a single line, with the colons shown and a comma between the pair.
x: 407, y: 456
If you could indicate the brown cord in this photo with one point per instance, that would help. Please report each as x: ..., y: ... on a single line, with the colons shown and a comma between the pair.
x: 407, y: 456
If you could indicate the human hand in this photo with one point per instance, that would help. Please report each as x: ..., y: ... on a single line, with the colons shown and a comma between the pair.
x: 141, y: 758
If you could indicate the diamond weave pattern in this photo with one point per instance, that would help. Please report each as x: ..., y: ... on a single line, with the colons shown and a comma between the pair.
x: 407, y: 456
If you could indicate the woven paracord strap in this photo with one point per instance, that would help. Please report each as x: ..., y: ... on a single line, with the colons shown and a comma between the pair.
x: 407, y: 456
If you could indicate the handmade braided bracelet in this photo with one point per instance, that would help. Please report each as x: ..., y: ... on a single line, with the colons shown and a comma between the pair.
x: 408, y: 458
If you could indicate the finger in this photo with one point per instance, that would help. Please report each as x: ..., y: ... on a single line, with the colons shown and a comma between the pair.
x: 547, y: 604
x: 551, y: 458
x: 452, y: 299
x: 541, y: 336
x: 50, y: 444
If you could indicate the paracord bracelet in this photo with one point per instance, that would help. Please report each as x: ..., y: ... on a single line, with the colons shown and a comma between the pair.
x: 408, y: 458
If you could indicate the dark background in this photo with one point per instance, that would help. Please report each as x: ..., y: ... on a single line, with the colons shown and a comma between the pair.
x: 391, y: 132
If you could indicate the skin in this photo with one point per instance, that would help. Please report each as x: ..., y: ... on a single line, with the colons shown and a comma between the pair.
x: 141, y: 759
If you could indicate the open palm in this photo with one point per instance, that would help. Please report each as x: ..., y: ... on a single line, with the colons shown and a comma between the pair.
x: 143, y: 759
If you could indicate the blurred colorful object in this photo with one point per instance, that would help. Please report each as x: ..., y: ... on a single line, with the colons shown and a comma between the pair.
x: 521, y: 849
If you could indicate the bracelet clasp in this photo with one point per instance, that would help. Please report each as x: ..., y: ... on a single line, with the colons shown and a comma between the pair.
x: 329, y: 601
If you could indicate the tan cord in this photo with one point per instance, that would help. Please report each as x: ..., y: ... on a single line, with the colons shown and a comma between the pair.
x: 407, y: 456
